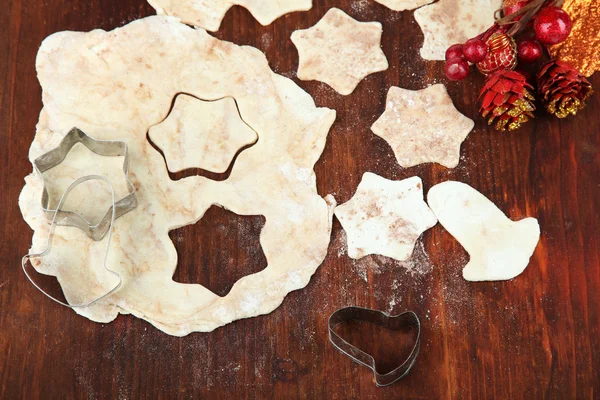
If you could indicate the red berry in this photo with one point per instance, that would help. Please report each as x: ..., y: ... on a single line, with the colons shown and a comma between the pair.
x: 529, y: 50
x: 454, y: 52
x: 457, y: 69
x: 514, y: 8
x: 552, y: 25
x: 475, y: 50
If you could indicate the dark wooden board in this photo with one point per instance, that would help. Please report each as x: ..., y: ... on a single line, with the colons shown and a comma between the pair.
x: 537, y: 336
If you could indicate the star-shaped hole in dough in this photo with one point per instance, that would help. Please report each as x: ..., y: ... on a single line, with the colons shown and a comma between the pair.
x: 202, y: 134
x: 385, y: 217
x: 453, y: 21
x: 402, y: 5
x: 339, y: 51
x: 423, y: 126
x: 208, y: 14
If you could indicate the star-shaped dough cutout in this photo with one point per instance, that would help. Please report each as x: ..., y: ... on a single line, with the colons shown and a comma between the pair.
x: 402, y: 5
x: 202, y: 134
x: 339, y: 51
x: 453, y: 21
x: 385, y: 217
x: 208, y: 14
x: 423, y: 126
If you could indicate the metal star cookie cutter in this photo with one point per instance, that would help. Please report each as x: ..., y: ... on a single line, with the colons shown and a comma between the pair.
x: 46, y: 251
x: 380, y: 318
x: 100, y: 147
x: 70, y: 218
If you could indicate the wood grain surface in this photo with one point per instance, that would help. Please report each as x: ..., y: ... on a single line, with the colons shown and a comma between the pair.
x: 537, y: 336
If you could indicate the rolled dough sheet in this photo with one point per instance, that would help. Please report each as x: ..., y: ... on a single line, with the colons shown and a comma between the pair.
x: 115, y: 86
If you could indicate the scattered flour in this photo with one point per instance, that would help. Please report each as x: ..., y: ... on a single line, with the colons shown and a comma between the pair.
x: 266, y: 40
x: 360, y: 6
x: 417, y: 264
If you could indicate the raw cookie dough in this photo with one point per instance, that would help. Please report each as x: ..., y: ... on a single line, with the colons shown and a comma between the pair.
x: 201, y: 134
x: 339, y: 51
x: 402, y: 5
x: 453, y: 21
x: 423, y: 126
x: 118, y: 84
x: 499, y: 248
x: 208, y: 14
x: 385, y: 217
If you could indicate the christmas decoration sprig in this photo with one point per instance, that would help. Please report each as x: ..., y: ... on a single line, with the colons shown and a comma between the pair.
x: 507, y: 98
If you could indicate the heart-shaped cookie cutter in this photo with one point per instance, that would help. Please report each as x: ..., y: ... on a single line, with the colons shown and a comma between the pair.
x: 380, y: 318
x: 46, y: 250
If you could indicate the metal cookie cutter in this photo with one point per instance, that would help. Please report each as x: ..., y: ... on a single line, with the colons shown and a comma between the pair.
x: 62, y: 217
x: 46, y: 251
x: 392, y: 322
x: 103, y: 148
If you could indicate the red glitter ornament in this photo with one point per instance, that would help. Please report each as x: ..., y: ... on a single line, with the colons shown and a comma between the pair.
x: 502, y: 54
x: 529, y: 50
x: 455, y: 51
x: 475, y: 50
x: 457, y: 69
x: 552, y: 25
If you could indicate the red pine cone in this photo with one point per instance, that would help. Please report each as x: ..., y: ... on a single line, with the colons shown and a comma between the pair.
x: 507, y: 99
x: 562, y: 88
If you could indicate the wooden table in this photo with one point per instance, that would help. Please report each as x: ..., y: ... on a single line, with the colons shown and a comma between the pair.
x: 537, y: 336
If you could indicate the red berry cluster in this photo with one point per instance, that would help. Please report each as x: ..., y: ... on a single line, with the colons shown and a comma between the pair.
x: 458, y: 56
x: 495, y: 49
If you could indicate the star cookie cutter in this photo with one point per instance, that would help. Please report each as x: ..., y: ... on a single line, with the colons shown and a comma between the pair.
x: 380, y: 318
x: 46, y: 251
x: 70, y: 218
x: 100, y: 147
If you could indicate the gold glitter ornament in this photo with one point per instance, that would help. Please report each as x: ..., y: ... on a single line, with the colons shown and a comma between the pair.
x: 508, y: 3
x: 582, y: 48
